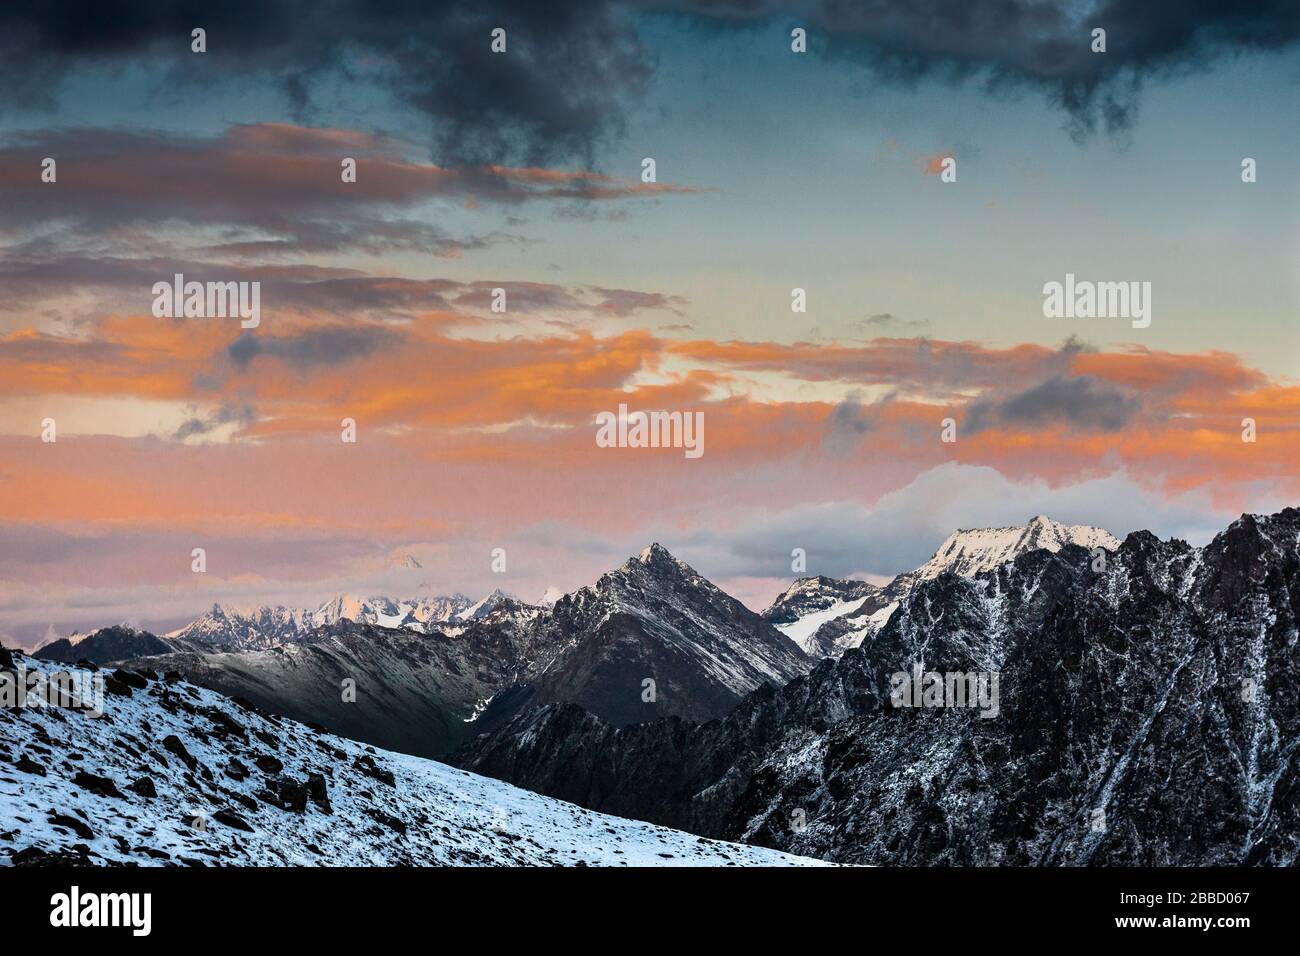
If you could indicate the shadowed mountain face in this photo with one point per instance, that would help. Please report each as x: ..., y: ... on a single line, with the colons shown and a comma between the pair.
x: 1147, y: 714
x: 392, y: 688
x: 107, y: 644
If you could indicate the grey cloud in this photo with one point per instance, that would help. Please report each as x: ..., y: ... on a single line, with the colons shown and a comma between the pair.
x: 227, y: 413
x: 849, y: 422
x: 882, y: 321
x: 625, y: 302
x: 316, y: 347
x: 124, y: 284
x: 1081, y: 402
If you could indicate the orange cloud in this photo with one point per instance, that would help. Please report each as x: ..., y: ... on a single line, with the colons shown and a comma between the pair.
x: 933, y: 165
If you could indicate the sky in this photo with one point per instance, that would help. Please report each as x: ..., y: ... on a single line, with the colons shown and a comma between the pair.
x: 523, y: 170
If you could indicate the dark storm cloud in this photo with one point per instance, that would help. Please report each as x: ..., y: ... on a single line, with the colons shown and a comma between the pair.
x: 1081, y: 402
x: 1045, y: 44
x: 574, y: 67
x: 569, y: 69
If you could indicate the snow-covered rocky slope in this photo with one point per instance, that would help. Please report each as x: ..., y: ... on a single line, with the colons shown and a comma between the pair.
x: 176, y: 774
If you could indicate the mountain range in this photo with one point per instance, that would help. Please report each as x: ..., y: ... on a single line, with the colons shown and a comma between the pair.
x: 1147, y: 714
x: 230, y: 629
x: 1143, y: 699
x: 651, y: 638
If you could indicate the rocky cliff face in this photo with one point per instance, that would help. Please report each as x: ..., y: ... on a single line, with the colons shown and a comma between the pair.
x: 1147, y: 714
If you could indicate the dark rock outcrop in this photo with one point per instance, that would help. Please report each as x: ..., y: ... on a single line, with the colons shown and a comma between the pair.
x: 103, y: 786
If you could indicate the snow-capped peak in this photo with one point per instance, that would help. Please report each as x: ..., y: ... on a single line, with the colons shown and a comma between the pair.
x: 551, y: 597
x: 484, y: 607
x: 825, y: 616
x: 344, y: 606
x: 970, y: 551
x: 228, y: 628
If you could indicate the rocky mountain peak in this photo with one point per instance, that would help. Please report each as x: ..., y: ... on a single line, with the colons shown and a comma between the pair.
x: 653, y: 566
x: 657, y: 556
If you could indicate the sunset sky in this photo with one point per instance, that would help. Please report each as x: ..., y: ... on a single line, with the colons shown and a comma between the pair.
x: 522, y: 171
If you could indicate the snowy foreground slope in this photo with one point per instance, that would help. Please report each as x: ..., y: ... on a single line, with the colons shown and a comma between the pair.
x: 175, y: 774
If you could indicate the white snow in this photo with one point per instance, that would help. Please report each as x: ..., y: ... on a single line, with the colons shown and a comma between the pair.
x: 968, y: 552
x: 802, y: 630
x: 871, y: 628
x: 263, y: 627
